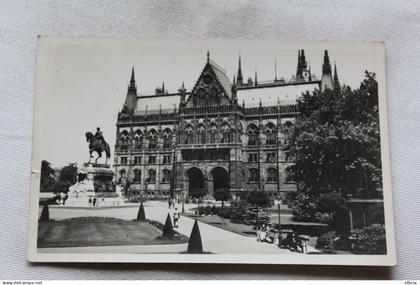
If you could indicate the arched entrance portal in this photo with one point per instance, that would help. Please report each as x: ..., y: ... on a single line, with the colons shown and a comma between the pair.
x: 220, y: 179
x: 195, y: 179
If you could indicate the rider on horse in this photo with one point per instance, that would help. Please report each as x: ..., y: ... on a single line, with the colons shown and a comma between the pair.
x: 99, y: 136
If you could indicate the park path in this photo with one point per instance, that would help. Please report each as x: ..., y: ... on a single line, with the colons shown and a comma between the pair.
x: 214, y: 239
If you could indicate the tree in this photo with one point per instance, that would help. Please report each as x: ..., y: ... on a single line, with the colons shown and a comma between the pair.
x: 48, y: 182
x: 336, y: 141
x: 197, y: 193
x: 222, y: 194
x: 259, y: 199
x: 141, y: 215
x: 194, y: 244
x: 67, y: 177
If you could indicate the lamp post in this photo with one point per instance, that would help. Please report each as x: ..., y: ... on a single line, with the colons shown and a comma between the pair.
x: 278, y: 212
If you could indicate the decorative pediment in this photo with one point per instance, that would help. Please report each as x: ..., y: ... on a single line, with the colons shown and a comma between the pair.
x: 212, y: 88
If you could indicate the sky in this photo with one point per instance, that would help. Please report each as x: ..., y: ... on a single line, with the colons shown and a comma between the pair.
x: 81, y: 83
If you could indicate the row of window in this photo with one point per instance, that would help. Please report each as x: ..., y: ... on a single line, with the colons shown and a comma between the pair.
x: 151, y: 175
x: 151, y: 159
x: 201, y: 135
x: 270, y: 157
x: 254, y: 176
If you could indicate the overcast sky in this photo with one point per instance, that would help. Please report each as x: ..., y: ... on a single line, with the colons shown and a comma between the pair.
x: 82, y: 83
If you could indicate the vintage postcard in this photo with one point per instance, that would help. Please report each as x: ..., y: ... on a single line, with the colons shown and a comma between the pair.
x: 210, y: 151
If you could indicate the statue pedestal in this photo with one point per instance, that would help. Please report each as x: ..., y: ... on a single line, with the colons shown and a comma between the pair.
x: 95, y: 188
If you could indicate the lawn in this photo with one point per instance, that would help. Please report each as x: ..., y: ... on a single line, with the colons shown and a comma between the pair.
x: 98, y: 231
x: 242, y: 229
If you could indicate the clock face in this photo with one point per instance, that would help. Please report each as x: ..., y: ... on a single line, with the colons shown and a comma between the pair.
x: 208, y: 78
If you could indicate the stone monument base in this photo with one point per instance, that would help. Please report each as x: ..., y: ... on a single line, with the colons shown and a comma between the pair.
x: 95, y: 188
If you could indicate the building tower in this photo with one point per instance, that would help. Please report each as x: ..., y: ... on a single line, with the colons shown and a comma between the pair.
x: 131, y: 98
x: 302, y: 73
x: 326, y: 80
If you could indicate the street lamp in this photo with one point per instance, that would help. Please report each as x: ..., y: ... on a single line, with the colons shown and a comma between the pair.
x: 278, y: 201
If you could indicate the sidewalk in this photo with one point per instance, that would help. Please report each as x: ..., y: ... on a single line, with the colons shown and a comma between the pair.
x: 214, y: 239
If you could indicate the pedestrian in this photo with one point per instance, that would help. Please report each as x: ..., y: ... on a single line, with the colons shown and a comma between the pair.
x: 90, y: 201
x: 94, y: 202
x: 169, y: 203
x: 176, y: 217
x: 103, y: 201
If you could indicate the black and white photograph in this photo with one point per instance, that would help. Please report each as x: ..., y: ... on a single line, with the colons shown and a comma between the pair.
x: 210, y: 151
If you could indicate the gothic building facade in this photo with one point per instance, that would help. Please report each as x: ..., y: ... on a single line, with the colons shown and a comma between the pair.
x: 220, y: 134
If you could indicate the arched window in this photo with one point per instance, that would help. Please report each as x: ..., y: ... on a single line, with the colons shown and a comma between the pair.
x: 270, y: 133
x: 166, y: 176
x: 122, y: 173
x: 240, y: 132
x: 124, y: 140
x: 271, y: 175
x: 188, y: 134
x: 252, y: 134
x: 201, y: 134
x: 152, y: 176
x: 152, y: 139
x: 287, y: 131
x: 167, y: 138
x: 225, y: 133
x: 137, y: 176
x: 212, y: 133
x: 138, y: 139
x: 253, y: 175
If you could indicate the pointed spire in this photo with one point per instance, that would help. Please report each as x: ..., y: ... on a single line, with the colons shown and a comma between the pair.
x: 183, y: 86
x: 326, y: 66
x: 131, y: 98
x: 132, y: 80
x: 336, y: 81
x: 326, y: 80
x: 234, y: 79
x: 208, y: 56
x: 303, y: 63
x: 310, y: 73
x: 255, y: 79
x: 275, y: 69
x: 163, y: 86
x: 239, y: 77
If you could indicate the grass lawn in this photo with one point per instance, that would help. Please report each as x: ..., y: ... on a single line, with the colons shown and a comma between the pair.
x: 245, y: 230
x: 101, y: 232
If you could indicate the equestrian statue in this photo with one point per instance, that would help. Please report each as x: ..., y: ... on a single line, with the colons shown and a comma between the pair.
x: 97, y: 143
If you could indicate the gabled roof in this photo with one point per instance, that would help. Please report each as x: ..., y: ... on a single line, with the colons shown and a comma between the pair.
x: 220, y: 75
x: 222, y: 78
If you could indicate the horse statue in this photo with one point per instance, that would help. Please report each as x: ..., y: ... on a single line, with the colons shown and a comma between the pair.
x: 98, y: 145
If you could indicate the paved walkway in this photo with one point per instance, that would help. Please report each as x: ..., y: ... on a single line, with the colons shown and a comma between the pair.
x: 215, y: 240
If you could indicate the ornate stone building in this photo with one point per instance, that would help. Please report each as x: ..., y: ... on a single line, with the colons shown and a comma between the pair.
x: 220, y: 134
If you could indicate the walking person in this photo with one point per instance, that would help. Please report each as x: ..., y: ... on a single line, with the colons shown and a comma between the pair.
x: 90, y: 201
x: 176, y: 218
x: 94, y: 202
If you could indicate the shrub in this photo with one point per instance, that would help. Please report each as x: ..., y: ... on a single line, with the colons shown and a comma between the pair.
x: 141, y: 215
x: 330, y: 240
x: 213, y: 210
x: 168, y: 229
x: 369, y: 240
x: 45, y: 214
x: 304, y: 207
x: 194, y: 244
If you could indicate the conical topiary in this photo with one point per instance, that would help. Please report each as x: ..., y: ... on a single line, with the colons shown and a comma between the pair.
x: 194, y: 244
x: 45, y: 214
x: 140, y: 215
x: 168, y: 230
